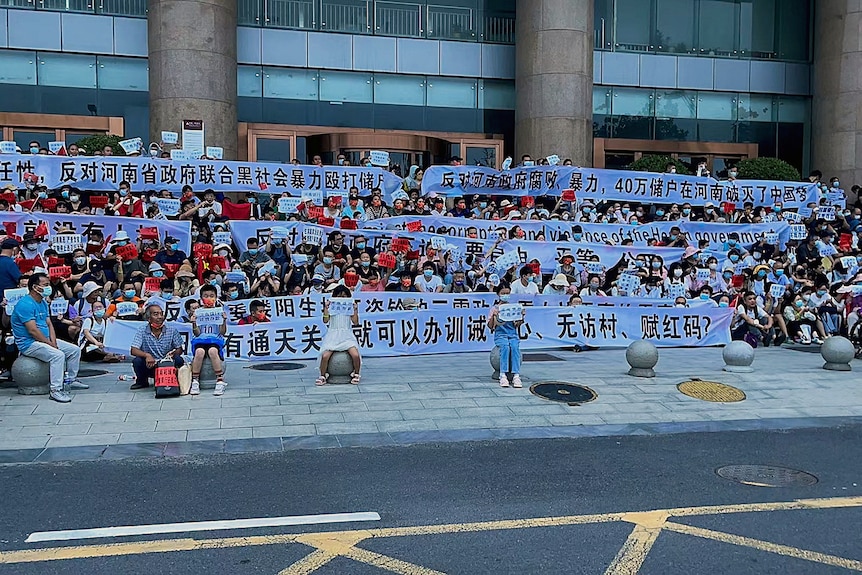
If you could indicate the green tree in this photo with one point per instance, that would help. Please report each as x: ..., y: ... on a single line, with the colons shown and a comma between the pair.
x: 768, y: 169
x: 655, y: 163
x: 99, y: 141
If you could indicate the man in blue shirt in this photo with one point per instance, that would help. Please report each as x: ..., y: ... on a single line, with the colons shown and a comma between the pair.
x: 35, y: 337
x: 9, y: 272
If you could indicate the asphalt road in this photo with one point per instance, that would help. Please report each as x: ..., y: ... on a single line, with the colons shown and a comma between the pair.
x: 459, y: 485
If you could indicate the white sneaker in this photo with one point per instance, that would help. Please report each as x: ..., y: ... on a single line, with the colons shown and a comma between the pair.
x: 516, y: 381
x: 219, y: 388
x: 196, y: 388
x: 504, y: 382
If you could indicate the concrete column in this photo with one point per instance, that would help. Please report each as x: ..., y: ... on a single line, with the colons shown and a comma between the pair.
x: 554, y: 79
x: 192, y: 51
x: 837, y: 82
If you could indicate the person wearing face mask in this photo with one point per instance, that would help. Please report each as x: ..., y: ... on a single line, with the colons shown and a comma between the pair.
x: 587, y: 213
x: 593, y: 287
x: 35, y: 337
x: 253, y: 258
x: 208, y: 341
x: 171, y: 254
x: 126, y: 203
x: 404, y: 284
x: 459, y: 283
x: 327, y: 269
x: 506, y: 338
x: 340, y: 252
x: 797, y: 314
x: 154, y: 341
x: 716, y: 280
x: 278, y: 251
x: 129, y: 294
x: 31, y: 246
x: 559, y: 285
x: 256, y: 315
x: 428, y: 281
x: 92, y: 337
x: 526, y: 283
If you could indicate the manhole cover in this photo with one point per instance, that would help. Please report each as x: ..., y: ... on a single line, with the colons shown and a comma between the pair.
x: 276, y: 366
x: 541, y: 357
x: 563, y: 392
x: 766, y: 476
x: 710, y: 391
x: 92, y: 372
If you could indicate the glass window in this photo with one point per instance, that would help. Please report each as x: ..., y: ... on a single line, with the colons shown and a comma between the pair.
x: 633, y: 25
x: 401, y: 90
x: 716, y: 106
x: 123, y: 74
x: 452, y: 19
x: 632, y: 102
x: 273, y: 150
x: 497, y: 95
x: 346, y: 87
x: 718, y: 26
x: 794, y: 30
x: 345, y: 16
x: 675, y: 26
x: 249, y: 81
x: 676, y: 104
x: 452, y: 93
x: 67, y: 70
x: 756, y: 108
x: 757, y: 28
x: 17, y: 67
x: 676, y: 129
x: 249, y: 12
x: 291, y: 84
x: 481, y: 157
x: 604, y: 24
x: 135, y: 8
x: 601, y: 100
x: 793, y: 110
x: 23, y: 139
x: 292, y: 14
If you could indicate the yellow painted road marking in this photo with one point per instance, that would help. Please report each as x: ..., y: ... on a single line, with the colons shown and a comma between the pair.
x: 345, y: 540
x: 766, y: 546
x: 389, y: 563
x: 630, y: 558
x: 310, y: 563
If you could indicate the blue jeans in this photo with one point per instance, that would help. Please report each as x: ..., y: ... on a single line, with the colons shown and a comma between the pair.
x: 510, y: 352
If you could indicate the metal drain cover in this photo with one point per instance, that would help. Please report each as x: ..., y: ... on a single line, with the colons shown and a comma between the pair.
x: 766, y: 476
x: 282, y: 366
x: 711, y: 391
x: 567, y: 393
x: 92, y: 372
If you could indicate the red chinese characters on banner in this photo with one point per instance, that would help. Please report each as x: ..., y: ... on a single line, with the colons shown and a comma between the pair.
x: 386, y: 261
x: 59, y: 272
x: 400, y: 245
x: 127, y: 252
x: 414, y: 226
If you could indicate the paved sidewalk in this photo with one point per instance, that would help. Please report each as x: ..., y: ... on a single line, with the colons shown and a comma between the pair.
x: 423, y: 399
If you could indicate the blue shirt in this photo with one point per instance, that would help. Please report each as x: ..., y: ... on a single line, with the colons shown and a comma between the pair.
x: 28, y: 309
x: 9, y: 274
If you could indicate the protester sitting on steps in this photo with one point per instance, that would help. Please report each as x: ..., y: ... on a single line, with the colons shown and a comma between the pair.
x: 208, y: 343
x: 339, y: 337
x: 154, y: 341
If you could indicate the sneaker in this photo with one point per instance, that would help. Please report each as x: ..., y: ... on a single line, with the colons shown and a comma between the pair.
x: 219, y: 388
x: 76, y: 384
x: 60, y: 396
x: 516, y: 381
x: 196, y: 388
x: 503, y: 381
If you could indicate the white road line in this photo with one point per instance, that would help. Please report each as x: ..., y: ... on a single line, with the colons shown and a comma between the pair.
x: 129, y: 530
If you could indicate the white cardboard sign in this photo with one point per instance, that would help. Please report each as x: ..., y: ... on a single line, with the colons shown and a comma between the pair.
x: 209, y: 315
x: 55, y: 147
x: 340, y: 306
x: 798, y: 232
x: 168, y: 206
x: 316, y: 196
x: 313, y: 236
x: 132, y: 145
x: 288, y: 205
x: 215, y: 152
x: 59, y: 307
x: 221, y: 238
x: 8, y: 147
x: 703, y: 274
x: 553, y: 159
x: 511, y: 312
x: 125, y: 308
x: 13, y: 296
x: 777, y: 290
x: 379, y: 158
x: 67, y: 243
x: 170, y: 137
x: 629, y: 283
x: 179, y: 156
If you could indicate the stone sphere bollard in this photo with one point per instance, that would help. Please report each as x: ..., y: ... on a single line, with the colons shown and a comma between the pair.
x: 208, y: 377
x: 838, y: 353
x: 738, y: 357
x: 32, y: 376
x: 495, y: 362
x: 642, y: 356
x: 340, y: 367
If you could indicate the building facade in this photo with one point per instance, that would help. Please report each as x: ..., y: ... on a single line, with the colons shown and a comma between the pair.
x: 599, y: 81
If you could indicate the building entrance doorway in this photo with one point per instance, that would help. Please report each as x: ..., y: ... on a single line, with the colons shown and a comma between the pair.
x: 615, y: 153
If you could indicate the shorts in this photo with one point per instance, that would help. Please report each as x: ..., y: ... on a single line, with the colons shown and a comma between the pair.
x: 207, y: 346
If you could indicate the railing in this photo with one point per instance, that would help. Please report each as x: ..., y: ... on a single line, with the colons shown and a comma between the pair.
x: 418, y: 19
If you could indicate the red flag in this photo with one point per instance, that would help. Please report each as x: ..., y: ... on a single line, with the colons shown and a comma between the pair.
x: 234, y: 211
x: 41, y: 230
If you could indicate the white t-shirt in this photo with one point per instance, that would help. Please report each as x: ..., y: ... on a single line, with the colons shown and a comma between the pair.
x: 518, y: 288
x: 426, y: 285
x: 215, y: 209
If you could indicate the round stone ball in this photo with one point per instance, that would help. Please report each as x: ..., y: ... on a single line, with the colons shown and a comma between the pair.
x: 495, y: 358
x: 838, y: 351
x: 340, y: 367
x: 32, y: 376
x: 738, y: 353
x: 208, y: 377
x: 642, y: 354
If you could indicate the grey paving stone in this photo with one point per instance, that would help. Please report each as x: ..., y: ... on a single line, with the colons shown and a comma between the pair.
x: 365, y: 440
x: 473, y: 412
x: 88, y: 396
x: 17, y: 409
x: 497, y: 401
x: 372, y: 416
x: 188, y: 424
x: 123, y: 427
x: 161, y: 415
x: 307, y: 399
x: 478, y: 422
x: 28, y: 443
x: 575, y: 419
x: 194, y: 447
x: 365, y: 396
x: 519, y: 421
x: 110, y: 417
x: 446, y: 403
x: 248, y: 401
x: 283, y: 431
x: 545, y: 408
x: 53, y: 430
x: 89, y: 439
x: 48, y: 407
x: 220, y: 412
x: 219, y: 434
x: 338, y: 407
x: 261, y: 421
x: 294, y: 409
x: 429, y: 414
x: 415, y: 437
x: 18, y: 455
x: 252, y: 445
x: 130, y: 406
x: 412, y: 425
x: 152, y: 437
x: 77, y: 453
x: 393, y: 405
x: 346, y: 428
x: 310, y: 442
x: 134, y: 450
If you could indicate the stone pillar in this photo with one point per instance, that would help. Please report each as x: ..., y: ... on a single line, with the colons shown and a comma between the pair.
x: 837, y: 111
x: 192, y: 51
x: 554, y: 79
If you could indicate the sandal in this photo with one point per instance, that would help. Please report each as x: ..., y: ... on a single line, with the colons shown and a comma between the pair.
x: 354, y: 378
x: 321, y: 380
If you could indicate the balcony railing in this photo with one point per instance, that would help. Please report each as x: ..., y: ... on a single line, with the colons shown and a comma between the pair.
x: 418, y: 19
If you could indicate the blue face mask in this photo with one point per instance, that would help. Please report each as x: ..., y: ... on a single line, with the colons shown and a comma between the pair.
x: 723, y: 304
x: 65, y: 194
x: 158, y: 274
x: 276, y: 242
x: 704, y: 296
x: 213, y: 282
x: 129, y: 293
x: 578, y: 237
x: 366, y: 264
x: 761, y: 275
x: 99, y: 313
x: 252, y: 251
x: 800, y: 303
x: 233, y: 295
x: 483, y: 205
x: 504, y: 297
x: 587, y: 210
x: 686, y: 211
x: 779, y: 273
x: 360, y: 245
x: 734, y: 258
x: 731, y: 242
x: 428, y: 273
x: 659, y: 213
x: 124, y: 193
x: 327, y: 261
x: 47, y: 291
x: 777, y: 209
x: 821, y: 293
x: 175, y: 247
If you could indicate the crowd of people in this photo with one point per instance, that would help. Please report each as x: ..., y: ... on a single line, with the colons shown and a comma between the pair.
x: 819, y: 296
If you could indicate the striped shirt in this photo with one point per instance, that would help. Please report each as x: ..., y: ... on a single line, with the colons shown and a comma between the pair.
x: 158, y: 347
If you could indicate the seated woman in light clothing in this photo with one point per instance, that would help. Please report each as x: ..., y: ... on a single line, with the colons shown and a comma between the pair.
x: 339, y: 337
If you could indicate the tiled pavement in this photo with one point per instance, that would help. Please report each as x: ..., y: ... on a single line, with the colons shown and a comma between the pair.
x: 422, y: 399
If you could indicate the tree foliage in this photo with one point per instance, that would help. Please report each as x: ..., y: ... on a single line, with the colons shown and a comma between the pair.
x: 768, y: 169
x: 99, y: 141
